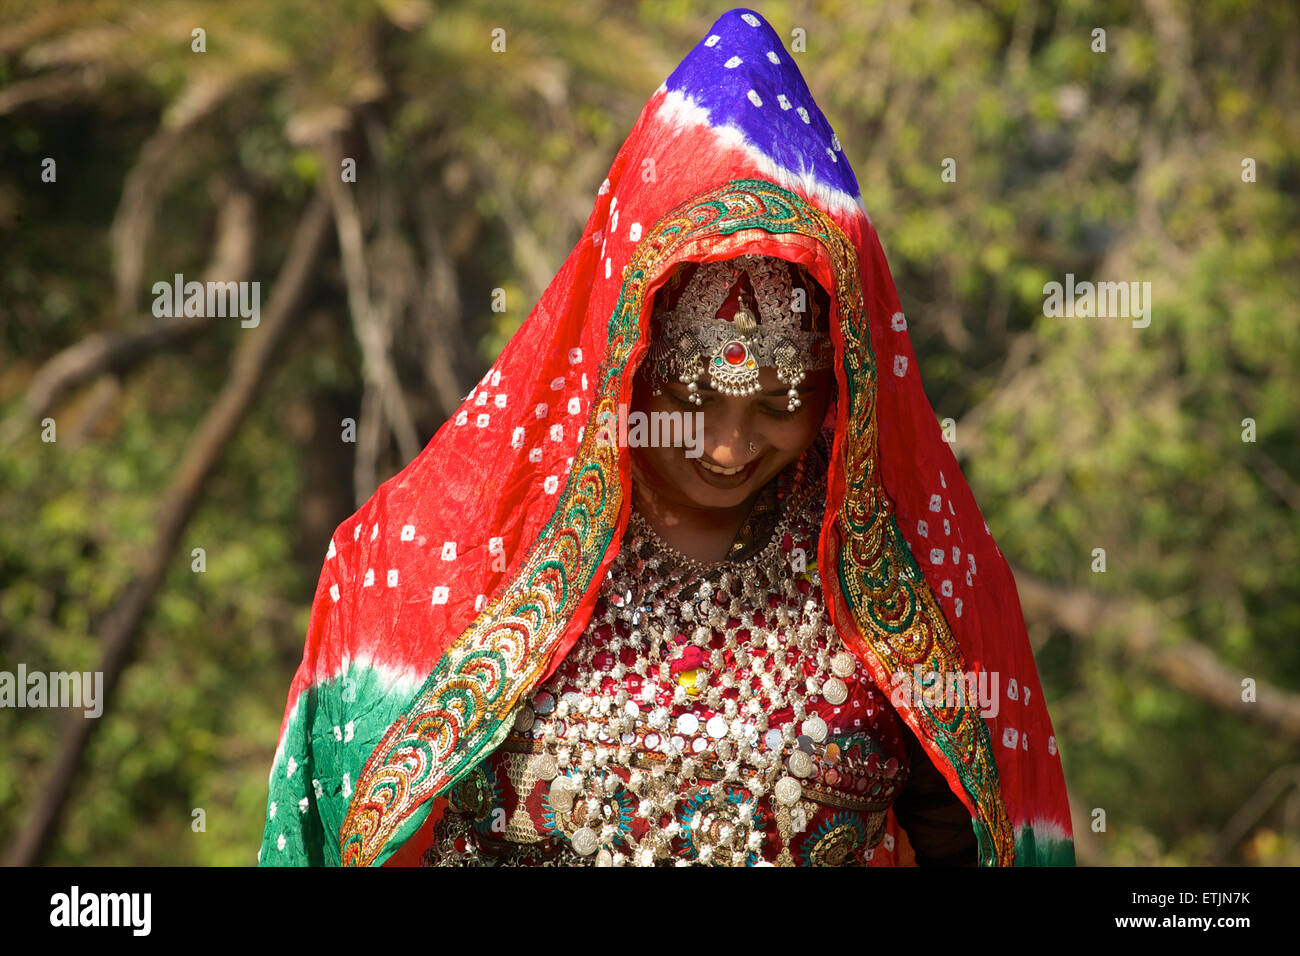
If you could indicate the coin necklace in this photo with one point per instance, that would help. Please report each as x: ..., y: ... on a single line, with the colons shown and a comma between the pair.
x: 656, y: 592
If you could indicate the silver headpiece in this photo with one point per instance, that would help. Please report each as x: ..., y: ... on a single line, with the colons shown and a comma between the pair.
x: 694, y: 341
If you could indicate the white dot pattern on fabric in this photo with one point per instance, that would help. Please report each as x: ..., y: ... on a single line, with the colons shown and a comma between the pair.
x: 712, y: 40
x: 634, y: 231
x: 332, y: 550
x: 551, y: 485
x: 923, y: 529
x: 535, y: 455
x: 440, y: 594
x: 771, y: 55
x: 575, y: 406
x: 803, y: 115
x: 517, y: 438
x: 392, y: 577
x: 750, y: 19
x: 557, y: 433
x: 900, y: 365
x: 754, y: 98
x: 449, y: 551
x: 575, y: 356
x: 898, y: 322
x: 482, y: 420
x: 782, y: 101
x: 334, y: 592
x: 369, y: 581
x: 734, y: 62
x: 408, y: 532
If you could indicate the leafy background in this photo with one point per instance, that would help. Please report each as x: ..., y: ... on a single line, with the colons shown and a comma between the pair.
x: 476, y: 171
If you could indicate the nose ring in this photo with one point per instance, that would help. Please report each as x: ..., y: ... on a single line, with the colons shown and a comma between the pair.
x: 752, y: 448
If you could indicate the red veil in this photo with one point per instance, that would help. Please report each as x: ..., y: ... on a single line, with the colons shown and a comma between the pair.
x: 466, y: 578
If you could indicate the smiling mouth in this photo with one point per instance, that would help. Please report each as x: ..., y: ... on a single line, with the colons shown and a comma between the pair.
x: 719, y: 470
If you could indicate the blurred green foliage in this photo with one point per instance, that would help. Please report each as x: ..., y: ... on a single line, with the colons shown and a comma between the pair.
x: 1076, y: 434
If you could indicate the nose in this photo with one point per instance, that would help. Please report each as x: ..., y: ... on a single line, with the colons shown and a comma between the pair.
x: 727, y: 434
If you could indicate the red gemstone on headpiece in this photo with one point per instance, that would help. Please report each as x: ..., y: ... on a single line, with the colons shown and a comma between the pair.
x: 734, y: 353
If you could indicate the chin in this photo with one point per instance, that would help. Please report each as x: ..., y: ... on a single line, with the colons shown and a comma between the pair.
x: 709, y: 495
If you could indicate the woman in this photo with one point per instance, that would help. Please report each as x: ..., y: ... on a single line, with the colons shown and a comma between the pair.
x: 525, y: 556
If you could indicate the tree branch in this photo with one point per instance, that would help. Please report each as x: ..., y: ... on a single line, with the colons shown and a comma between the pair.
x: 1190, y: 666
x: 118, y: 631
x: 114, y: 353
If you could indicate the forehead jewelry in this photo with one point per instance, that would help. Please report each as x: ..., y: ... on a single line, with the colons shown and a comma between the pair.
x: 693, y: 341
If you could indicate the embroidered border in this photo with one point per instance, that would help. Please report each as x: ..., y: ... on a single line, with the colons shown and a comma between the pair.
x: 894, y: 608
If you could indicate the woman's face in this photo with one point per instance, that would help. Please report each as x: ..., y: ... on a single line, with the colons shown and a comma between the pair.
x: 728, y: 425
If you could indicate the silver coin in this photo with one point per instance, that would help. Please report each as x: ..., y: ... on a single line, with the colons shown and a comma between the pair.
x: 788, y: 791
x: 604, y: 858
x: 800, y: 764
x: 815, y: 728
x: 843, y: 664
x: 717, y: 726
x: 835, y: 691
x: 545, y: 767
x: 773, y: 739
x: 584, y: 841
x: 561, y: 796
x: 524, y: 719
x: 688, y: 724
